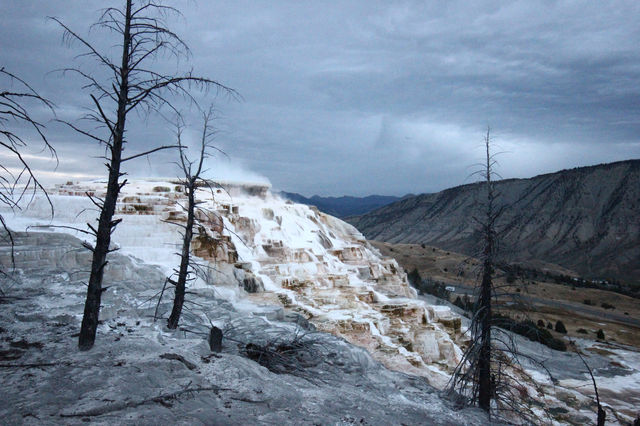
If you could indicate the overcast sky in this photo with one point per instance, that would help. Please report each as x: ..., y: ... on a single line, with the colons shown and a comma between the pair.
x: 364, y: 97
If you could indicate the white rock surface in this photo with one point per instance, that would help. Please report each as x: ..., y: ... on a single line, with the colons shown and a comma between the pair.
x: 307, y: 261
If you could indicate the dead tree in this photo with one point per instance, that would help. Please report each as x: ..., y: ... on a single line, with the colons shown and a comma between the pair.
x: 142, y: 36
x: 490, y: 374
x: 483, y: 314
x: 192, y: 179
x: 473, y: 376
x: 17, y: 180
x: 601, y: 414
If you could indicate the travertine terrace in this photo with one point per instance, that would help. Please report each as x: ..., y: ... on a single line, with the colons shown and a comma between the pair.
x: 267, y: 251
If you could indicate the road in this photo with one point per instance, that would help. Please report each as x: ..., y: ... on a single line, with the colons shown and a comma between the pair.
x: 585, y: 310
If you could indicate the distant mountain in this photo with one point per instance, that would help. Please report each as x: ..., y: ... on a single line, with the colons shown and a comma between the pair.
x: 586, y: 219
x: 344, y: 206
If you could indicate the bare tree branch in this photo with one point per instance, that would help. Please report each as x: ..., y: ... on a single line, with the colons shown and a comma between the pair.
x: 190, y: 184
x: 142, y: 34
x: 151, y: 151
x: 13, y: 110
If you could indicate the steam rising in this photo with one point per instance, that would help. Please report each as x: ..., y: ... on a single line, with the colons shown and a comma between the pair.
x: 225, y: 170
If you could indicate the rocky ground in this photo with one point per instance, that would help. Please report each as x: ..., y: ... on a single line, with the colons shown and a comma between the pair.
x: 141, y: 373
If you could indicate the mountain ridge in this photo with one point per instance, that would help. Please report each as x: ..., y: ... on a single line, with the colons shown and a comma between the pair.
x: 345, y: 205
x: 583, y: 218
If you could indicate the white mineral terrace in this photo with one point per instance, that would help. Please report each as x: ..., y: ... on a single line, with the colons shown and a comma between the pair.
x: 270, y: 251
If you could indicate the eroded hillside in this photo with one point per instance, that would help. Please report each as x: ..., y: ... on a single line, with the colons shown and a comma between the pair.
x: 585, y: 219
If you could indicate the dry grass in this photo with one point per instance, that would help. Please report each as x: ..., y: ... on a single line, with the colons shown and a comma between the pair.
x: 460, y: 270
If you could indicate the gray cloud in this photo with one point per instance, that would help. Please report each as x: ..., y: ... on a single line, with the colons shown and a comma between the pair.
x: 380, y: 97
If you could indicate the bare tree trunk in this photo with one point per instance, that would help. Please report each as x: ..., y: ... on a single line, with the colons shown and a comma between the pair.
x: 484, y: 358
x: 485, y: 391
x: 178, y: 300
x: 106, y: 223
x: 480, y: 377
x: 602, y: 415
x: 191, y: 179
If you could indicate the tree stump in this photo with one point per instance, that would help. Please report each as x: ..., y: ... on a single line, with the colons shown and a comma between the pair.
x: 215, y: 339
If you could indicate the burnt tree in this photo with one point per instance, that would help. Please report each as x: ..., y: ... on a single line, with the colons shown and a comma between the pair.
x: 483, y: 314
x: 192, y: 171
x: 142, y: 35
x: 473, y: 376
x: 490, y: 374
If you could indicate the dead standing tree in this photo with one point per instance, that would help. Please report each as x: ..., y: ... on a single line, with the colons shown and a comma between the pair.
x: 18, y: 181
x: 133, y: 84
x: 483, y: 313
x: 192, y: 171
x: 490, y: 374
x: 473, y: 376
x: 601, y: 414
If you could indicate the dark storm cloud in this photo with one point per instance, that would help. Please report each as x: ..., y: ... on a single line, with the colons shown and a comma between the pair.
x: 383, y: 97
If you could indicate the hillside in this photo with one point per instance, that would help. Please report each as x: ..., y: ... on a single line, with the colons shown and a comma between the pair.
x: 585, y: 219
x: 343, y: 206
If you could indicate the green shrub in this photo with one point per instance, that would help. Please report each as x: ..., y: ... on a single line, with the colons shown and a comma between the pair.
x: 427, y: 285
x: 414, y: 278
x: 530, y: 330
x: 464, y: 304
x: 142, y: 207
x: 458, y: 302
x: 560, y: 328
x: 435, y: 288
x: 600, y: 334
